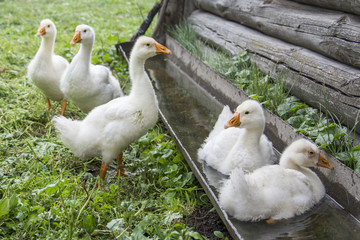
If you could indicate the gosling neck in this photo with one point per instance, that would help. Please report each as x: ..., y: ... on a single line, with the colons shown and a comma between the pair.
x: 252, y: 136
x: 84, y: 54
x: 141, y: 85
x: 46, y: 49
x: 289, y: 163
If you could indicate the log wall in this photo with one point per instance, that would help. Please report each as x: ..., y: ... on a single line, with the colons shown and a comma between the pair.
x: 316, y: 48
x: 350, y: 6
x: 331, y: 33
x: 310, y: 76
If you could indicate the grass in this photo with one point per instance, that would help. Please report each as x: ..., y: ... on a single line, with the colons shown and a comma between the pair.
x: 46, y: 192
x: 321, y: 126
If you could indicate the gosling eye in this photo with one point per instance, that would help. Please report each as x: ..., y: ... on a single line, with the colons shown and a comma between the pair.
x: 84, y: 30
x: 247, y: 112
x: 48, y: 25
x: 311, y: 152
x: 148, y: 44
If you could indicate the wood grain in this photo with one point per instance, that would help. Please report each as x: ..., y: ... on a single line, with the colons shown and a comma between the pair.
x: 331, y: 33
x: 315, y: 79
x: 350, y: 6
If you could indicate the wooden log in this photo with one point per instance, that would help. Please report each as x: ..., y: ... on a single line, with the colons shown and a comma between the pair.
x: 312, y: 77
x: 331, y: 33
x: 170, y: 15
x: 350, y: 6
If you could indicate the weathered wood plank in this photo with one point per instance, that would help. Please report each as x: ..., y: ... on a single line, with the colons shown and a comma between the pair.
x: 351, y: 6
x: 312, y: 77
x: 331, y: 33
x: 170, y: 14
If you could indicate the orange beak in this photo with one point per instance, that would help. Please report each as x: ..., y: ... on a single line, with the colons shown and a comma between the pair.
x: 323, y: 162
x: 234, y: 121
x: 76, y: 38
x: 41, y: 31
x: 162, y: 49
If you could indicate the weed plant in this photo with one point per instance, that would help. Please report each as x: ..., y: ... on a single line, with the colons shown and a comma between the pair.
x: 321, y: 126
x: 46, y: 192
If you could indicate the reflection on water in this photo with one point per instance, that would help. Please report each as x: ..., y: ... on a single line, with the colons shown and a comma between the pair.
x: 192, y: 112
x: 214, y: 178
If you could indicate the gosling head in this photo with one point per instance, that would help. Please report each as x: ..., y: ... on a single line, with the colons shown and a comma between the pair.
x: 249, y: 114
x: 305, y: 154
x: 146, y: 47
x: 83, y: 34
x: 46, y: 29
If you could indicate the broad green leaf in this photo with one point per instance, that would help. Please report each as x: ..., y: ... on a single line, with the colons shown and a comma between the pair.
x: 194, y: 235
x: 244, y: 73
x: 178, y: 158
x: 13, y: 201
x: 324, y: 139
x: 298, y: 106
x: 43, y: 148
x: 170, y: 216
x: 311, y: 111
x: 52, y: 188
x: 128, y: 205
x: 106, y: 206
x: 357, y: 169
x: 4, y: 206
x: 256, y: 97
x: 158, y: 138
x: 116, y: 225
x: 162, y: 161
x: 296, y: 121
x: 138, y: 232
x: 146, y: 139
x: 167, y: 154
x: 107, y: 58
x: 245, y: 58
x: 357, y: 148
x: 339, y: 135
x: 284, y: 108
x: 327, y: 127
x: 73, y: 203
x: 343, y: 156
x: 89, y: 223
x: 33, y: 218
x: 219, y: 234
x: 243, y: 54
x: 356, y: 156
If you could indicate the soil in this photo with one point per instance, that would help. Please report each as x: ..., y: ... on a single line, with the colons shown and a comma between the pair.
x: 206, y: 222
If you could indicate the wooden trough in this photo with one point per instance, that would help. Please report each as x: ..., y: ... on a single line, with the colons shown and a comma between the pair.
x: 213, y: 91
x: 191, y: 96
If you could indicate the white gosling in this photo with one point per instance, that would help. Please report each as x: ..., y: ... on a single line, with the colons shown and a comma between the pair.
x: 46, y: 68
x: 276, y: 191
x: 88, y: 85
x: 242, y: 142
x: 108, y: 129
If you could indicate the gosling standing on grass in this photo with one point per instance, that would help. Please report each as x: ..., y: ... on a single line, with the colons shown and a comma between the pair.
x: 108, y: 129
x: 46, y: 69
x: 88, y: 85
